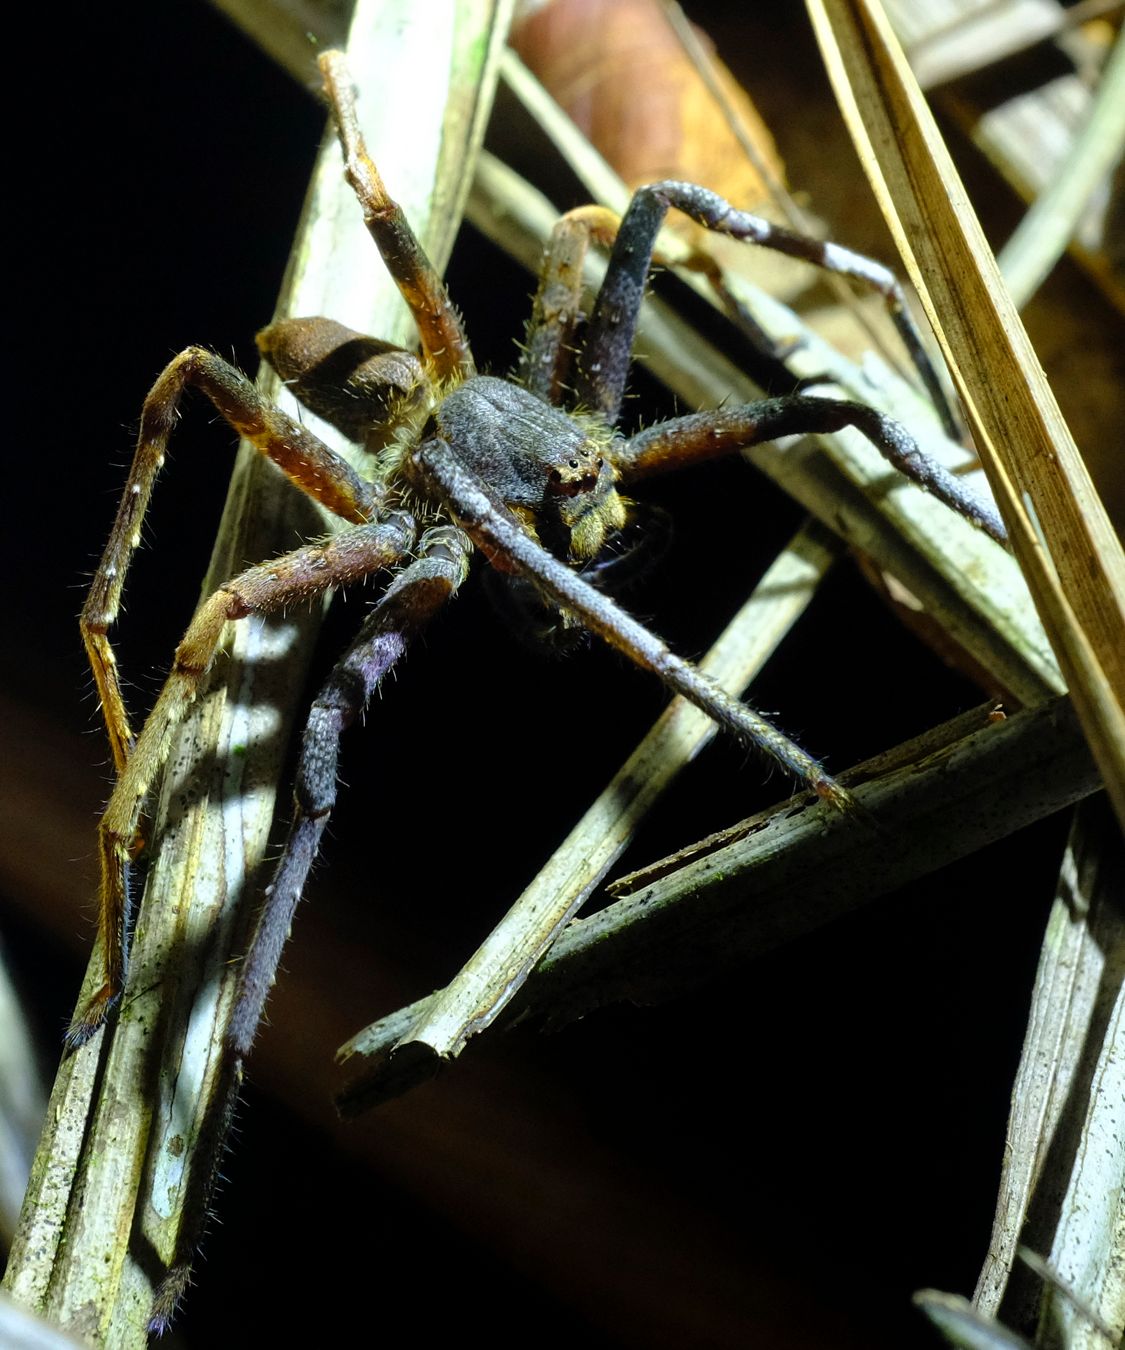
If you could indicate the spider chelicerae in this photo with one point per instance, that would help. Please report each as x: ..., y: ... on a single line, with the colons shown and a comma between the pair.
x: 528, y: 472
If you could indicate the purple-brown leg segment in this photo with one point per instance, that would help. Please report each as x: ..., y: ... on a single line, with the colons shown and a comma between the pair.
x: 444, y: 343
x: 553, y: 330
x: 264, y: 589
x: 496, y: 531
x: 604, y: 361
x: 298, y: 453
x: 701, y: 436
x: 406, y: 607
x: 545, y: 361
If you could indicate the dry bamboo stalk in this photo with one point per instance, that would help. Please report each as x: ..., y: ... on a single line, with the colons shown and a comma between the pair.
x: 288, y: 30
x: 22, y: 1330
x: 1027, y: 137
x: 1074, y: 1172
x: 1069, y: 553
x: 966, y: 1326
x: 1063, y: 1180
x: 108, y: 1179
x: 948, y: 40
x: 22, y: 1100
x: 1052, y: 220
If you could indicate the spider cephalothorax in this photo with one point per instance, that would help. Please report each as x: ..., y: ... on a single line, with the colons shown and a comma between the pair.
x: 550, y: 468
x: 529, y: 472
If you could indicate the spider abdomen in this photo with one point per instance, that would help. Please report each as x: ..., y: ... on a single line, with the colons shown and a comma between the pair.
x: 360, y: 384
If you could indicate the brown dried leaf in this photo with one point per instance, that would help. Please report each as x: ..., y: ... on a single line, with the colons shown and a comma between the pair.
x: 621, y: 73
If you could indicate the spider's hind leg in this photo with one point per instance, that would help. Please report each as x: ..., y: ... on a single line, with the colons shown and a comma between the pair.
x: 404, y: 609
x: 267, y: 588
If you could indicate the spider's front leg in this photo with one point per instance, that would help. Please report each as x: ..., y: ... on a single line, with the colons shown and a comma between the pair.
x: 701, y: 436
x: 556, y: 316
x: 499, y: 534
x: 265, y: 589
x: 444, y: 344
x: 604, y: 354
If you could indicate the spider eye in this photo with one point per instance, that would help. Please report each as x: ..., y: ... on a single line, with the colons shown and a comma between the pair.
x: 573, y: 480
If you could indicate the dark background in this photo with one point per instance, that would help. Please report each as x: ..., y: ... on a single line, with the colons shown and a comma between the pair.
x: 780, y: 1160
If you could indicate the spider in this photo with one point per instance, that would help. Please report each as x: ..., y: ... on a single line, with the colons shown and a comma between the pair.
x: 529, y: 472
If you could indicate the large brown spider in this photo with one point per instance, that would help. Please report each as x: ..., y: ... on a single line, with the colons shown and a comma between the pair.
x: 529, y: 472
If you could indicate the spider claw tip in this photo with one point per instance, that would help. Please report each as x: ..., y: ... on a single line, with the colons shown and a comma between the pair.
x: 828, y: 790
x: 90, y: 1019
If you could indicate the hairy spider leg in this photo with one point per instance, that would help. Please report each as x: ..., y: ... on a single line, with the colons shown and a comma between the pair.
x: 702, y: 436
x: 264, y: 589
x: 299, y: 454
x: 405, y: 608
x: 553, y: 330
x: 493, y: 527
x: 546, y: 358
x: 603, y: 363
x: 444, y: 344
x: 562, y: 284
